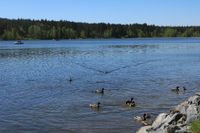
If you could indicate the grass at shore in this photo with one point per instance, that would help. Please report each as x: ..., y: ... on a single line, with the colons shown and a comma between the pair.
x: 195, y: 127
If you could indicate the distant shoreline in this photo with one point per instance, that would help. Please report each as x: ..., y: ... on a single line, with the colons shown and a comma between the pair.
x: 20, y: 29
x: 85, y: 39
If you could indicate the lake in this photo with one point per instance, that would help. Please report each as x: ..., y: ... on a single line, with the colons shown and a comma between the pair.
x: 36, y: 95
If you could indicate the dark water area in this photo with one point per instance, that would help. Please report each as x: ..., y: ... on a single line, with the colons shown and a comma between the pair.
x: 36, y: 95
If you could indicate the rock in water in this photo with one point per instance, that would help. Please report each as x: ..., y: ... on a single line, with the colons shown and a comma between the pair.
x: 178, y: 120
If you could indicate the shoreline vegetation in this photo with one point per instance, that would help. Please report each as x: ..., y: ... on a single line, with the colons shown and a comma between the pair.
x: 27, y: 29
x: 195, y: 126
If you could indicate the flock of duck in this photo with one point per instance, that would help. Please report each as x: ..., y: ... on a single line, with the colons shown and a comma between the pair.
x: 145, y: 118
x: 129, y: 103
x: 178, y: 89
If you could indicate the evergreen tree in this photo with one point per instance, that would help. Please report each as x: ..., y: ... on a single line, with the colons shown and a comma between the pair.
x: 44, y: 29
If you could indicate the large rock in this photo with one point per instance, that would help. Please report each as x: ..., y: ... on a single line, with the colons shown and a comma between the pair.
x: 178, y: 120
x: 159, y: 120
x: 143, y: 129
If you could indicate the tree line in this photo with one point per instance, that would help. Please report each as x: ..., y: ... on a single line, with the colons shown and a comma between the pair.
x: 18, y: 29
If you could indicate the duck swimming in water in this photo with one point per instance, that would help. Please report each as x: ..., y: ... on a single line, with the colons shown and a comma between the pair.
x: 177, y: 89
x: 100, y: 91
x: 144, y: 119
x: 146, y: 116
x: 70, y: 79
x: 95, y: 106
x: 130, y: 103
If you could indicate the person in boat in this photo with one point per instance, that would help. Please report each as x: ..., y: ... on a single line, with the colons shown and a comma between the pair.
x: 19, y: 42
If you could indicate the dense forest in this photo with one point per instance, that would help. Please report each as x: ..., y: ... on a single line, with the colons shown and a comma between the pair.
x: 18, y: 29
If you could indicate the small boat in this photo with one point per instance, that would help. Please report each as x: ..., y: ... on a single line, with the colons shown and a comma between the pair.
x: 19, y: 42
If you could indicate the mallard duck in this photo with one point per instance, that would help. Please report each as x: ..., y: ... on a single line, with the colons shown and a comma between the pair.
x: 96, y: 106
x: 177, y: 89
x: 70, y: 79
x: 146, y: 116
x: 100, y: 91
x: 130, y: 103
x: 144, y: 119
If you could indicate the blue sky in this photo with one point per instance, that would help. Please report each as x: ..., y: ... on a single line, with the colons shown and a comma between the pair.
x: 158, y: 12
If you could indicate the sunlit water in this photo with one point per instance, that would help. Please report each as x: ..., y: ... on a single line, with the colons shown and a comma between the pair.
x: 36, y: 95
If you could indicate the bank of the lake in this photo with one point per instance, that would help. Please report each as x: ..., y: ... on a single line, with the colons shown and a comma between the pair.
x: 181, y: 119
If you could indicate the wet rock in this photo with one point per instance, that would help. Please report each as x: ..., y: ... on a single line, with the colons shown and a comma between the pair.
x: 159, y: 120
x: 177, y: 120
x: 194, y: 100
x: 182, y: 107
x: 173, y: 129
x: 144, y: 129
x: 192, y: 113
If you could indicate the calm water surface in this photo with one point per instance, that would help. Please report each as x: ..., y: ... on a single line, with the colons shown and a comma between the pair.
x: 36, y: 95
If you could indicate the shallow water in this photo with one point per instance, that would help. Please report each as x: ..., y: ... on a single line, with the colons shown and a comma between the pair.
x: 36, y: 95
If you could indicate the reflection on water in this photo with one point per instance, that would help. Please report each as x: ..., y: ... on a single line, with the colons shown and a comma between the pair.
x: 47, y: 86
x: 133, y: 46
x: 27, y: 52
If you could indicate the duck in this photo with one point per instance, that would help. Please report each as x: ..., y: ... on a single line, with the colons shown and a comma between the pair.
x: 70, y: 79
x: 130, y: 103
x: 100, y: 91
x: 146, y: 116
x: 144, y: 119
x: 177, y: 89
x: 95, y: 106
